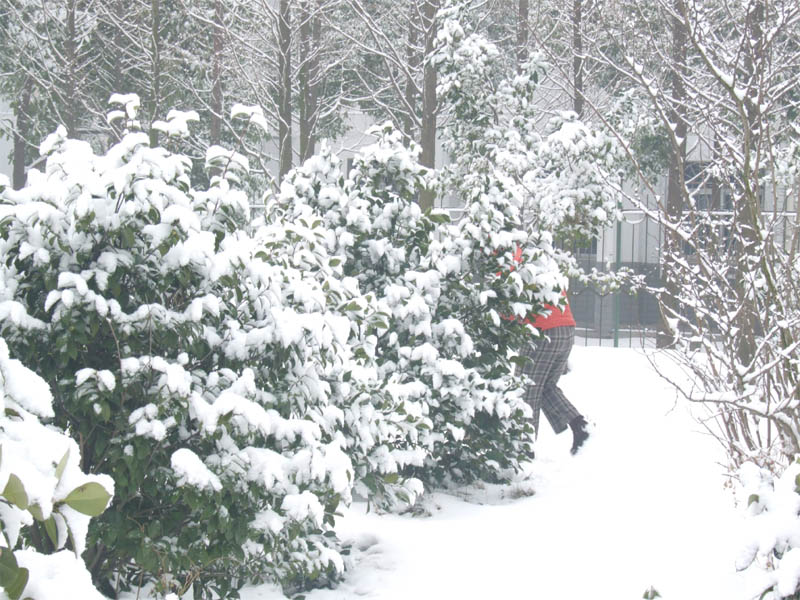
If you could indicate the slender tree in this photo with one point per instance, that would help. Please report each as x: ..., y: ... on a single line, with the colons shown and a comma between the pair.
x: 49, y: 63
x: 310, y: 37
x: 429, y: 101
x: 675, y: 176
x: 21, y: 134
x: 523, y: 10
x: 217, y: 106
x: 284, y: 88
x: 577, y: 57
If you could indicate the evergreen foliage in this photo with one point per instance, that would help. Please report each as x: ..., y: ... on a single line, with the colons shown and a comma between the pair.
x: 241, y: 377
x: 47, y: 501
x: 521, y: 191
x: 177, y: 354
x: 473, y: 426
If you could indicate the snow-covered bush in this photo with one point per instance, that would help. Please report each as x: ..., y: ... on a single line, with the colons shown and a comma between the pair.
x: 489, y: 157
x: 385, y: 423
x: 520, y: 191
x: 644, y: 134
x: 561, y: 182
x: 771, y: 534
x: 192, y: 355
x: 46, y: 499
x: 573, y: 180
x: 454, y: 425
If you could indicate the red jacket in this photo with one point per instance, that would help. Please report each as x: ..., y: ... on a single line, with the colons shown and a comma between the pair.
x: 557, y: 317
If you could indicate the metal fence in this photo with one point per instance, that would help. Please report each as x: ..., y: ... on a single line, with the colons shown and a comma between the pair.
x: 621, y: 318
x: 632, y: 319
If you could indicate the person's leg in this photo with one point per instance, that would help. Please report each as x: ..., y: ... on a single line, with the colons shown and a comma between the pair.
x: 559, y: 411
x: 538, y: 368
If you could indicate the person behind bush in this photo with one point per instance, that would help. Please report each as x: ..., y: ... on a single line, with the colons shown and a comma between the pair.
x: 547, y: 359
x: 548, y: 356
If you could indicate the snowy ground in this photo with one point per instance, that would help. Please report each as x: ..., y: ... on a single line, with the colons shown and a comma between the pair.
x: 644, y: 504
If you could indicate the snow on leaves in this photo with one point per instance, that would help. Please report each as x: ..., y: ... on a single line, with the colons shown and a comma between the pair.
x: 198, y: 354
x: 425, y: 406
x: 257, y: 372
x: 770, y: 535
x: 42, y: 482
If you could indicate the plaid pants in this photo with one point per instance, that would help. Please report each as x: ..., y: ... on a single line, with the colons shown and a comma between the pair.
x: 549, y: 355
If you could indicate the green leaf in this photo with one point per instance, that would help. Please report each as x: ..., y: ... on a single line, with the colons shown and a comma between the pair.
x: 52, y: 530
x: 17, y: 586
x: 62, y: 464
x: 127, y: 237
x: 391, y: 478
x: 90, y: 499
x: 36, y: 511
x: 752, y: 499
x: 105, y: 412
x: 15, y: 492
x: 13, y: 579
x: 7, y: 562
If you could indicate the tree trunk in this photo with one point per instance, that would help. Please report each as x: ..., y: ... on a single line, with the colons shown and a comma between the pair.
x: 119, y: 11
x: 304, y: 78
x: 429, y: 103
x: 155, y: 23
x: 670, y: 305
x: 522, y: 31
x: 21, y: 134
x: 71, y: 59
x: 413, y: 60
x: 748, y: 207
x: 215, y: 133
x: 310, y: 33
x: 314, y: 86
x: 577, y: 56
x: 285, y: 89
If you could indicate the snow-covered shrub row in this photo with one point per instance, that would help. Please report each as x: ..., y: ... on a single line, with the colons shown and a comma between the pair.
x: 193, y: 354
x: 770, y: 548
x: 238, y: 377
x: 46, y: 500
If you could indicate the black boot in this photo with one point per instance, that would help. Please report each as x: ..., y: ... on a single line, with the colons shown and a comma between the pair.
x: 580, y: 433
